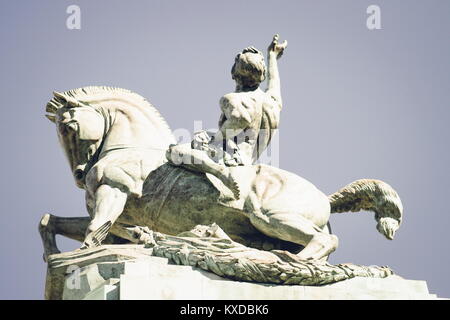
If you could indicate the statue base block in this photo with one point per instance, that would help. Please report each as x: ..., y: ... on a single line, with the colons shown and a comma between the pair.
x: 124, y: 272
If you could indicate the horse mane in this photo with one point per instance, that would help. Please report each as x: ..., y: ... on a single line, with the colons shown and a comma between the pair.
x: 93, y: 94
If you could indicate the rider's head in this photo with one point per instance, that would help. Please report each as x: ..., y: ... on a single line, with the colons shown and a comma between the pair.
x: 249, y: 68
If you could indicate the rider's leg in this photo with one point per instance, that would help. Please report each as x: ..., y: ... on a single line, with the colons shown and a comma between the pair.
x: 199, y: 161
x: 295, y: 228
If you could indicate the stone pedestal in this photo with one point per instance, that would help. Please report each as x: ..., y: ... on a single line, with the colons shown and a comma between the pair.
x: 128, y: 272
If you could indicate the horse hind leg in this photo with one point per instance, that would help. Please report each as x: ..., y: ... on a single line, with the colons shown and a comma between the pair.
x: 293, y: 227
x: 320, y: 247
x: 327, y: 230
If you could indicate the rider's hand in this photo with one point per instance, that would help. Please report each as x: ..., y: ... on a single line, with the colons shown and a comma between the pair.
x: 275, y: 48
x: 202, y: 137
x: 201, y: 140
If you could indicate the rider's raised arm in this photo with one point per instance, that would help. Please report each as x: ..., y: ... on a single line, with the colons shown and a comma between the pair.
x: 275, y: 51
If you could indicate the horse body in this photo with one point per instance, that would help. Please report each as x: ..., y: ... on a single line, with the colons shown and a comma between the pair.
x: 175, y: 200
x: 129, y: 183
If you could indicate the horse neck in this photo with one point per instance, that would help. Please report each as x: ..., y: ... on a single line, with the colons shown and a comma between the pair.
x: 133, y: 128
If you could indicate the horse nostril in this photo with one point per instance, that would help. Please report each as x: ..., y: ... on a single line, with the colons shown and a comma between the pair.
x: 78, y: 174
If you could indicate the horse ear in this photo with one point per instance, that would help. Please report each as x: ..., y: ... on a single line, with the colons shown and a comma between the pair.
x: 60, y: 96
x: 51, y: 118
x: 52, y: 106
x: 71, y: 102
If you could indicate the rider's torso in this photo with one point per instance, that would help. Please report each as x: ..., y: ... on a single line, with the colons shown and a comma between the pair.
x: 247, y: 141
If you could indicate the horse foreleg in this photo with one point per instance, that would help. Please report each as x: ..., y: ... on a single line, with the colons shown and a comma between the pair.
x: 50, y: 226
x: 109, y: 203
x: 73, y: 228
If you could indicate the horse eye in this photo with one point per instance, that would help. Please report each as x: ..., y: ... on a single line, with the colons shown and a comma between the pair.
x: 72, y: 126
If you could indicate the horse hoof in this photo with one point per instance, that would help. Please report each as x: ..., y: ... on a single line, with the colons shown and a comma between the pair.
x: 43, y: 224
x: 47, y: 236
x: 45, y: 255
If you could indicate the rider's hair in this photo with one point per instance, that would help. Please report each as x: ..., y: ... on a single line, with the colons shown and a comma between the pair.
x: 249, y: 68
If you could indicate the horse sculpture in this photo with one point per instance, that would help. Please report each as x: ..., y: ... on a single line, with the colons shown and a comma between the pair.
x: 116, y: 143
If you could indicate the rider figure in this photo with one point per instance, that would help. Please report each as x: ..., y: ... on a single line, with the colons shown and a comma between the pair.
x: 247, y: 123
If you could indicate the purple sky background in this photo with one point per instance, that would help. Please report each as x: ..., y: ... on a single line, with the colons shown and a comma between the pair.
x: 357, y: 104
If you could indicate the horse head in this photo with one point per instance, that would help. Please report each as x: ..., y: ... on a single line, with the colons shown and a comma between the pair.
x: 80, y: 128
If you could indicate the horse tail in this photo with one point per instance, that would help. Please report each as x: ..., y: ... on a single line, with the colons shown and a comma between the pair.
x: 371, y: 195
